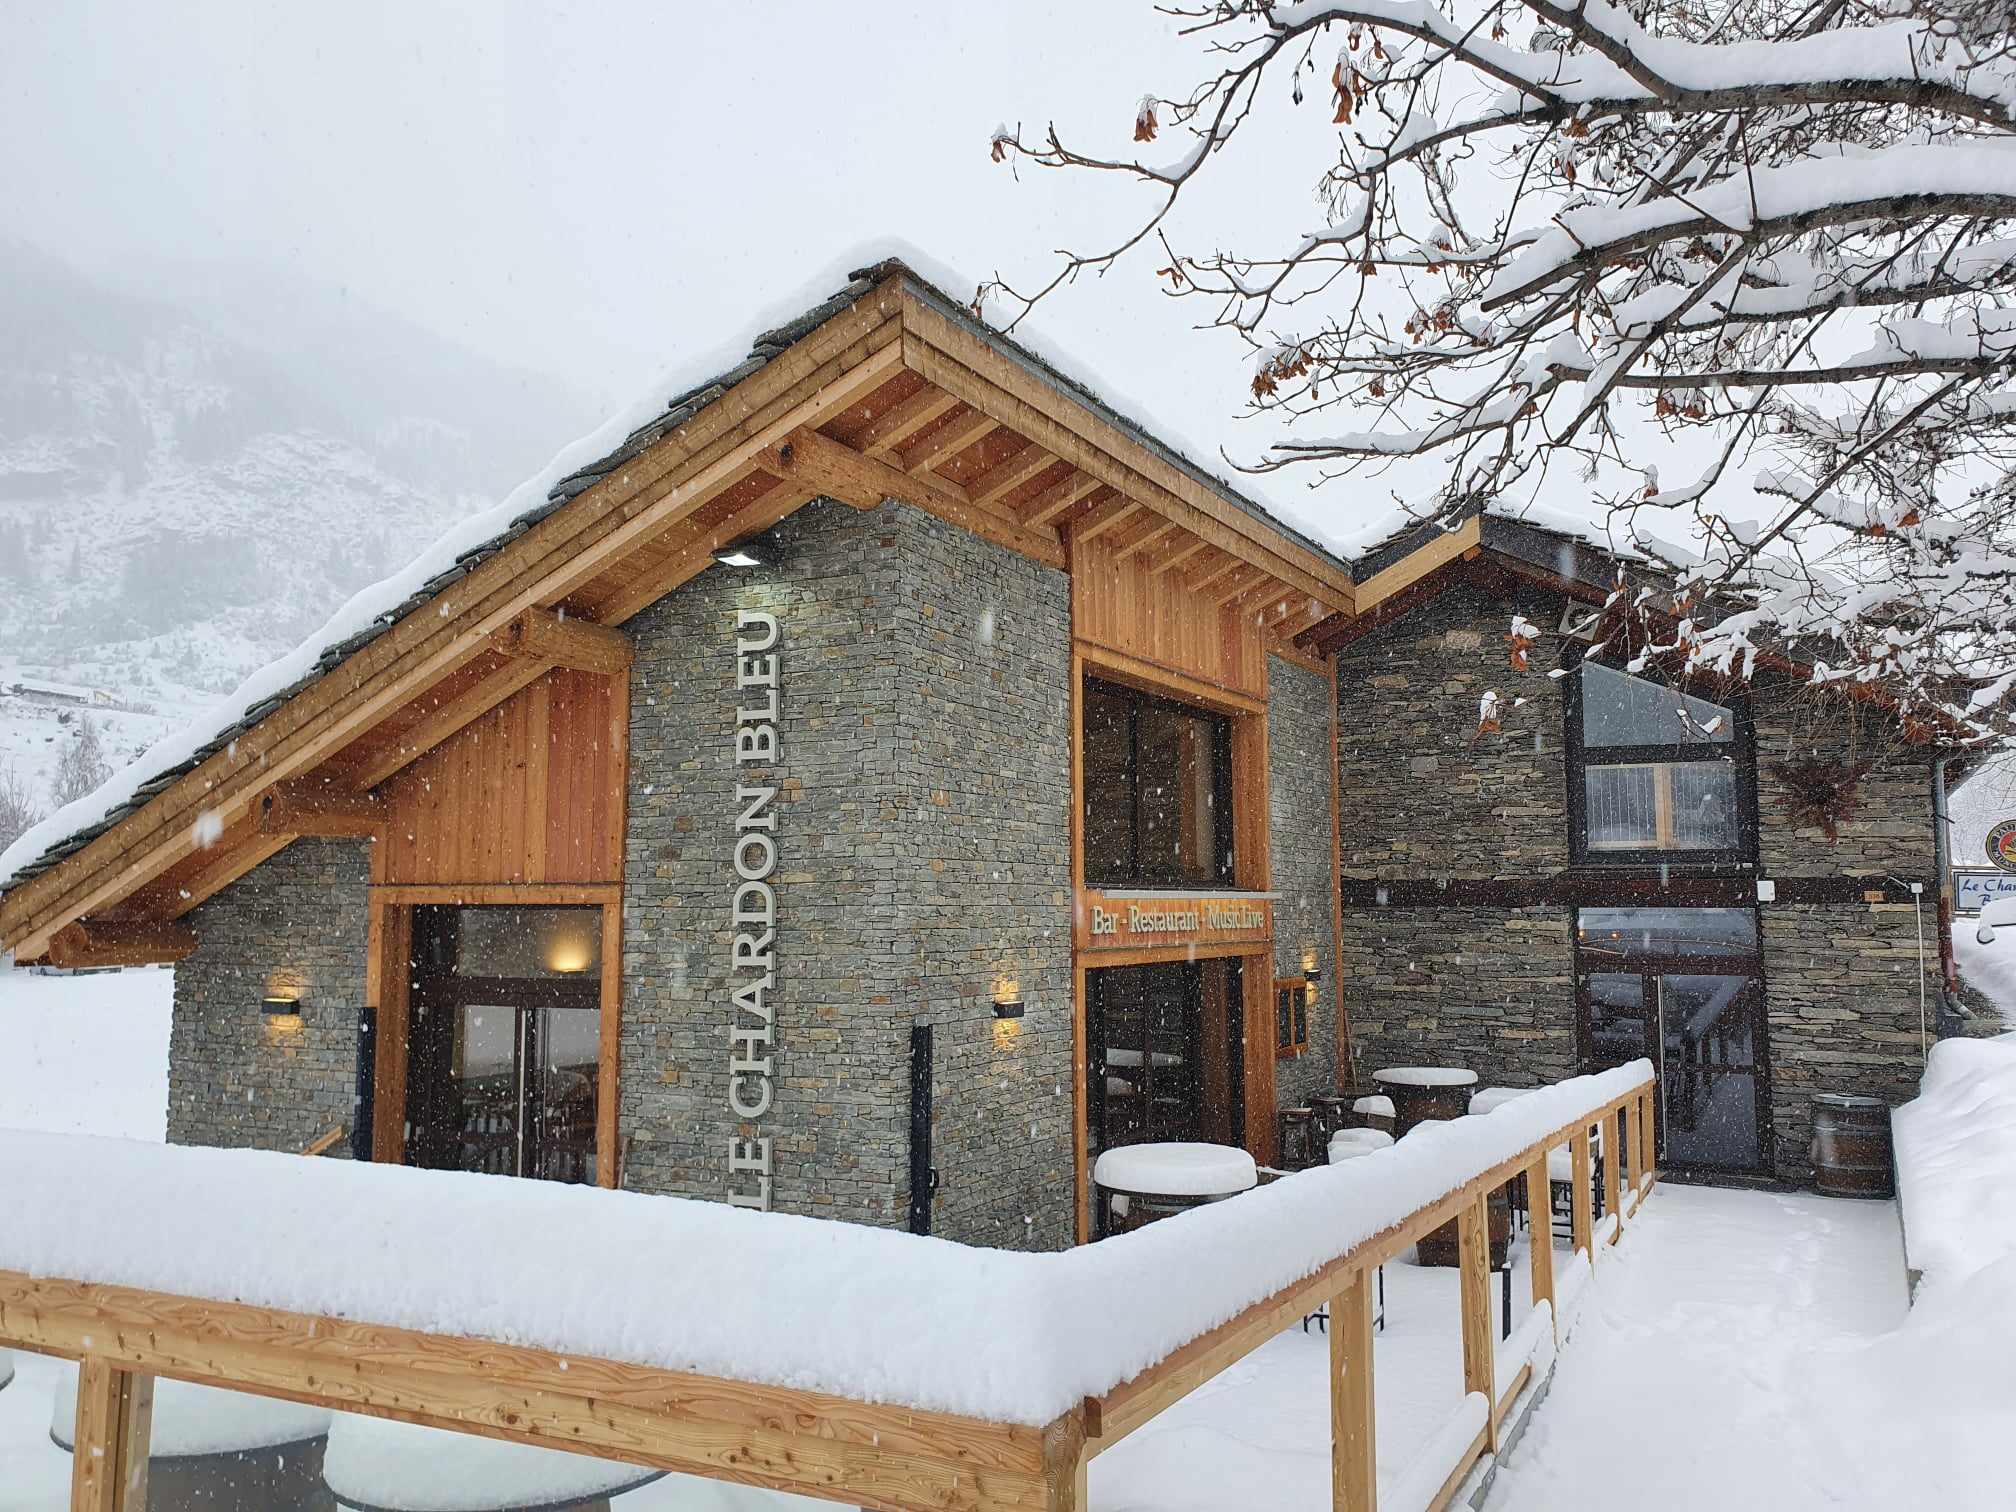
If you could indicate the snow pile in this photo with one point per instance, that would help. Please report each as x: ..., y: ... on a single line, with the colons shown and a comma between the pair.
x: 870, y: 1314
x: 1956, y: 1162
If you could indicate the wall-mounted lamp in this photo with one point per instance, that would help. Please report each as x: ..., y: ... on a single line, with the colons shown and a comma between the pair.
x: 280, y: 1007
x: 756, y: 551
x: 1009, y: 1008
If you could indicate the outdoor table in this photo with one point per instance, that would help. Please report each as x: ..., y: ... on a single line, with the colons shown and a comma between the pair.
x: 212, y: 1450
x: 1170, y: 1176
x: 378, y: 1465
x: 1423, y: 1093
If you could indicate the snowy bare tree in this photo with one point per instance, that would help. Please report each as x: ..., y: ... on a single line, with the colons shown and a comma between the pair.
x: 82, y: 767
x: 1745, y: 265
x: 17, y: 807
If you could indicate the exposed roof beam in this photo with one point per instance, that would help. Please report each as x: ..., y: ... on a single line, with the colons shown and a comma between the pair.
x: 1010, y: 475
x: 120, y: 942
x: 559, y: 641
x: 1158, y: 535
x: 889, y: 430
x: 1058, y: 499
x: 1178, y: 553
x: 1104, y: 519
x: 951, y: 438
x: 320, y: 809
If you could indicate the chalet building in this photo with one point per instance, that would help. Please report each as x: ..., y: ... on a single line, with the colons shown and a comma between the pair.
x: 890, y: 777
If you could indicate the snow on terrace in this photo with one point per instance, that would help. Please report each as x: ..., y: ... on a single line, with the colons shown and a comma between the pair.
x: 684, y: 1285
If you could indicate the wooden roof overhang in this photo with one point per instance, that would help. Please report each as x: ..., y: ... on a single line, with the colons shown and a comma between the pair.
x: 895, y: 394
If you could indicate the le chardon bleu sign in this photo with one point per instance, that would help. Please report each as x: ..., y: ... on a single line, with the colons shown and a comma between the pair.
x: 752, y: 1036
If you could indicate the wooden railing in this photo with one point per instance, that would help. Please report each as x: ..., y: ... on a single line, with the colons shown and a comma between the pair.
x: 890, y: 1458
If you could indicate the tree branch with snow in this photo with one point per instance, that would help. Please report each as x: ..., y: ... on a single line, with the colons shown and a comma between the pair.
x: 1741, y: 272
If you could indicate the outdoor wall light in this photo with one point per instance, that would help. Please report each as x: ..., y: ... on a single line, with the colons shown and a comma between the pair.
x: 1009, y: 1008
x: 753, y: 552
x: 280, y: 1007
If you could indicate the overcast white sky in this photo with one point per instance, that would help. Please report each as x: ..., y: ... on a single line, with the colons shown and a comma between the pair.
x: 591, y: 190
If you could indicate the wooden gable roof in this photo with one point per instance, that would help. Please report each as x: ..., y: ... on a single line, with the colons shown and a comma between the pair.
x: 887, y: 390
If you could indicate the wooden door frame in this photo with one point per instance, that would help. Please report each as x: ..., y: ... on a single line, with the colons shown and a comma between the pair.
x: 388, y: 991
x: 1252, y: 871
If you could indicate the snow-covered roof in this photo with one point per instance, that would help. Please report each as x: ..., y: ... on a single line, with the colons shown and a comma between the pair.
x: 692, y: 384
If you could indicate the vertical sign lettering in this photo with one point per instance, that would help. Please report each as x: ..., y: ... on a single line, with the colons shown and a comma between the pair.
x: 753, y: 914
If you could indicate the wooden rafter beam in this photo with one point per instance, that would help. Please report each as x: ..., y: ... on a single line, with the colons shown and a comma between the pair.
x: 120, y: 942
x: 541, y: 635
x: 323, y: 810
x: 813, y: 461
x: 948, y: 440
x: 1104, y: 519
x: 1248, y: 580
x: 695, y: 552
x: 1180, y: 552
x: 888, y: 431
x: 1158, y: 535
x: 999, y: 481
x: 1058, y: 499
x: 1213, y: 570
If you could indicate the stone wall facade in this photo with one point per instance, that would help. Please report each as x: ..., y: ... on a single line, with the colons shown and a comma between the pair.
x: 1300, y: 837
x: 923, y: 836
x: 296, y: 927
x: 1424, y: 798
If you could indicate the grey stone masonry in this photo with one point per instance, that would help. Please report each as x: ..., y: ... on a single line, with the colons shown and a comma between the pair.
x: 1299, y: 839
x: 294, y: 926
x: 1426, y: 798
x: 923, y: 837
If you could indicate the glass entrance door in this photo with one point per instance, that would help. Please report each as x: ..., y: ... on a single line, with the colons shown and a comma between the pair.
x: 1682, y: 986
x: 504, y: 1046
x: 1167, y: 1059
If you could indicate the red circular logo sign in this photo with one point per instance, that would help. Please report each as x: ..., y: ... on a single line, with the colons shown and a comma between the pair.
x: 2002, y: 845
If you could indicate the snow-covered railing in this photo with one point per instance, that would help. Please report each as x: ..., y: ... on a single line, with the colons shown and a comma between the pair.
x: 870, y: 1367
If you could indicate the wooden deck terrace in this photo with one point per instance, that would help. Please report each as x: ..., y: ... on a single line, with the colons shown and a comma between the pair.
x: 879, y: 1456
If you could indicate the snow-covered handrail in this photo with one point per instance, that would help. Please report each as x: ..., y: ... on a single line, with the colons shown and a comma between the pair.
x: 264, y: 1271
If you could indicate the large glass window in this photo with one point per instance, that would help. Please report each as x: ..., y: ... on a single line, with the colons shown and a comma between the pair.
x: 1654, y: 772
x: 1158, y: 810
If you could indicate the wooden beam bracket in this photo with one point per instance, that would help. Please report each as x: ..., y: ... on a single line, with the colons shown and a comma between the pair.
x: 120, y: 942
x: 541, y: 635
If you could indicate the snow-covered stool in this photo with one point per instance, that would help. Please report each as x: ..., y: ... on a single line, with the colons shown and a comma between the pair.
x: 376, y: 1465
x: 1375, y: 1111
x: 1485, y: 1099
x: 218, y: 1451
x: 1144, y: 1182
x: 1348, y: 1144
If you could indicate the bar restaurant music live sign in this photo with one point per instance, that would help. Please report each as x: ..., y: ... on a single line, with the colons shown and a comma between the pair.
x: 1107, y: 923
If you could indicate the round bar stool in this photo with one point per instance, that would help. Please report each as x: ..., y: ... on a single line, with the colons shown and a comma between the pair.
x: 1333, y: 1112
x: 1298, y: 1139
x: 1374, y: 1110
x: 218, y: 1451
x: 1348, y: 1145
x: 376, y: 1465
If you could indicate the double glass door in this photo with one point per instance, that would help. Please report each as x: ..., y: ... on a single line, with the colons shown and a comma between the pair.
x: 1682, y: 987
x: 503, y: 1052
x: 1166, y: 1047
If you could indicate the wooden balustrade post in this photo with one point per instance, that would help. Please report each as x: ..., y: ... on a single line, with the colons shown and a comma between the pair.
x: 1613, y: 1156
x: 108, y: 1454
x: 1627, y: 1146
x: 1354, y: 1480
x: 1065, y: 1463
x: 1480, y: 1339
x: 1648, y: 1143
x: 1540, y: 1233
x: 1581, y: 1194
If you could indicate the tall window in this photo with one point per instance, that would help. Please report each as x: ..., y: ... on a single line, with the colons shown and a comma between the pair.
x: 1656, y: 774
x: 1158, y: 791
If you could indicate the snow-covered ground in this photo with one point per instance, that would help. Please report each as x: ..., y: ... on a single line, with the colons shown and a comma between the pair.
x: 1751, y: 1350
x: 1990, y: 969
x: 86, y: 1054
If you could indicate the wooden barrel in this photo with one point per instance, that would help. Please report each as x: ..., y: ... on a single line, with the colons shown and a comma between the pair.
x: 1851, y: 1146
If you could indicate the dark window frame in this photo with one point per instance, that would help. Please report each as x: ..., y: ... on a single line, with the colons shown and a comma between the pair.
x: 1225, y: 863
x: 1740, y: 750
x: 1291, y: 1008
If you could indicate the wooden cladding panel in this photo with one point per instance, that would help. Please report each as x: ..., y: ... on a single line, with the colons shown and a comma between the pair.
x: 531, y: 792
x: 1119, y: 604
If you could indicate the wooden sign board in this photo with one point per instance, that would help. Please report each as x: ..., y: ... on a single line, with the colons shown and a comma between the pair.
x: 1134, y: 922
